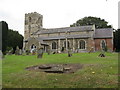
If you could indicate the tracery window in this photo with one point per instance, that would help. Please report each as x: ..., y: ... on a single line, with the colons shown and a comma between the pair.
x: 103, y: 44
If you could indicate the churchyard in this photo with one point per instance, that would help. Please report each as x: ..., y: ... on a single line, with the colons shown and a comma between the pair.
x: 93, y: 71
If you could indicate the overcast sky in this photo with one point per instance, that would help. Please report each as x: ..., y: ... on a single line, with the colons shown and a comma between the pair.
x: 57, y: 13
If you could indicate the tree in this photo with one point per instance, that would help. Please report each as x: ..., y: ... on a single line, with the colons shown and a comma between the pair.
x: 4, y: 35
x: 117, y: 40
x: 99, y: 23
x: 15, y: 39
x: 10, y: 39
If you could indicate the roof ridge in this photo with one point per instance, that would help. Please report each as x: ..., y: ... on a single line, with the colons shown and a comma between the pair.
x: 69, y: 27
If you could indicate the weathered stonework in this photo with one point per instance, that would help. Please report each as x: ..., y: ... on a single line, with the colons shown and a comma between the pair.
x: 79, y: 39
x: 33, y: 23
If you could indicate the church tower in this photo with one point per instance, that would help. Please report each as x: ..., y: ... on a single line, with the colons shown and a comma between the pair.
x: 33, y: 23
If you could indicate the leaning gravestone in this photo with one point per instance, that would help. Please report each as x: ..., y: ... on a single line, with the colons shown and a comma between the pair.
x: 91, y: 50
x: 69, y: 53
x: 40, y: 53
x: 102, y: 54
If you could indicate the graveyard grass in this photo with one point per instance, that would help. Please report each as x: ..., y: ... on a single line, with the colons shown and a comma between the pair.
x: 97, y: 72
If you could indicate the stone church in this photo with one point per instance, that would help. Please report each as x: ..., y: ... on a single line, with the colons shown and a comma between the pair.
x: 78, y: 39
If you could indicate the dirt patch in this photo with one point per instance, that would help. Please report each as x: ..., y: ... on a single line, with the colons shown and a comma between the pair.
x: 56, y: 68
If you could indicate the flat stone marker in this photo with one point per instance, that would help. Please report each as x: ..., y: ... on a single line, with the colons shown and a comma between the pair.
x: 44, y: 67
x: 55, y: 70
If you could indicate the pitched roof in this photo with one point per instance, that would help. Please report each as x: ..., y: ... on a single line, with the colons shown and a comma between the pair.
x: 63, y: 37
x: 65, y: 29
x: 98, y: 33
x: 38, y: 39
x: 103, y: 33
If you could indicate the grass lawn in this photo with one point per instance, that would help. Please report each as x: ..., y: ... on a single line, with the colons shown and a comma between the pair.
x: 14, y: 74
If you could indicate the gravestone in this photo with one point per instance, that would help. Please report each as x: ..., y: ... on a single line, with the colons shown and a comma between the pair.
x: 40, y: 53
x: 69, y: 53
x: 23, y: 52
x: 10, y: 52
x: 1, y: 55
x: 17, y: 51
x: 27, y: 52
x: 55, y: 70
x: 101, y: 55
x: 20, y: 52
x: 91, y: 50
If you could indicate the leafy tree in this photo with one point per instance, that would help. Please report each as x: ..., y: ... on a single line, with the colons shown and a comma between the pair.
x: 15, y: 39
x: 4, y: 26
x: 10, y: 39
x: 117, y: 40
x: 99, y: 23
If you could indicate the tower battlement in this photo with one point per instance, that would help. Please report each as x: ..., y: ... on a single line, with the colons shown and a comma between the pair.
x: 27, y: 14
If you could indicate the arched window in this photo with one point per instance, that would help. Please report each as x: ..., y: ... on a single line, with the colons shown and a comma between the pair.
x: 68, y: 44
x: 54, y: 45
x: 103, y: 44
x: 81, y: 44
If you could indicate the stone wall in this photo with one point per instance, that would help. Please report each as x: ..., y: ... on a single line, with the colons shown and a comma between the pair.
x: 73, y: 44
x: 33, y: 22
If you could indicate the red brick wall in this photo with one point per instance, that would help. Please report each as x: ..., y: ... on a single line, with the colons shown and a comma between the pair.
x: 109, y: 43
